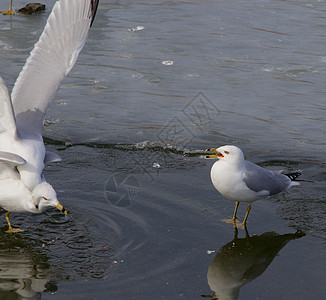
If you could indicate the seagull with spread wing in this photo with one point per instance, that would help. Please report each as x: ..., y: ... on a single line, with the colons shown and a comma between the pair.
x: 23, y: 187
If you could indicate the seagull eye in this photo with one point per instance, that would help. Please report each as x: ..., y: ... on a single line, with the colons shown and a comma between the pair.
x: 226, y: 152
x: 45, y: 198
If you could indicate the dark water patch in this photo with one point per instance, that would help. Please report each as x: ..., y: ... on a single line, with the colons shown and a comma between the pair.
x: 73, y: 247
x: 283, y: 163
x: 243, y: 260
x: 130, y: 158
x: 305, y: 206
x: 25, y: 267
x: 139, y: 146
x: 307, y: 211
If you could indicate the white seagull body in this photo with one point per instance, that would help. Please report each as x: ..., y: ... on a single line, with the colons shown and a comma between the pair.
x: 243, y: 181
x: 22, y: 152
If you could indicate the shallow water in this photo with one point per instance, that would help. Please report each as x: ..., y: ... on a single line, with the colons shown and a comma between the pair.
x: 144, y: 220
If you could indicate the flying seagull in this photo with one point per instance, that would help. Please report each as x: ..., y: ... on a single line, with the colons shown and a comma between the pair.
x: 243, y: 181
x: 22, y: 152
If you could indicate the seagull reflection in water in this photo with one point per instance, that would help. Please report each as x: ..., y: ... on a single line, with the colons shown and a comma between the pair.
x: 24, y: 268
x: 242, y: 260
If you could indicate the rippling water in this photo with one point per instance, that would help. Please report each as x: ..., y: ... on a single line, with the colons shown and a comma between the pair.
x: 144, y: 220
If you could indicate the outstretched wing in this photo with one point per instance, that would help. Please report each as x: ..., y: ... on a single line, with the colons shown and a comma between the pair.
x: 7, y: 118
x: 52, y: 58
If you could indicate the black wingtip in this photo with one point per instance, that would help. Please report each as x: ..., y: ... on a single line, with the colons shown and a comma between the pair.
x: 93, y: 10
x: 293, y: 175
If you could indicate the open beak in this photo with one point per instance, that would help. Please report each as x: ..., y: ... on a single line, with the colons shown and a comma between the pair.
x: 217, y: 155
x: 61, y: 208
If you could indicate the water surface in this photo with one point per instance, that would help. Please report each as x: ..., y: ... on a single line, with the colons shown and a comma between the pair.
x: 144, y: 220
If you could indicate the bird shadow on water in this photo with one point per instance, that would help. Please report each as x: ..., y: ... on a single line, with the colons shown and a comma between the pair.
x: 242, y: 260
x: 51, y: 249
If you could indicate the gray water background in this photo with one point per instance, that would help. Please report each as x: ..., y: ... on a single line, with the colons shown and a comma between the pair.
x: 248, y: 73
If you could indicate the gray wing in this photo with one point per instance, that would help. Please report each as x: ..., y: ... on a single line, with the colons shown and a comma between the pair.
x: 259, y: 179
x: 52, y: 58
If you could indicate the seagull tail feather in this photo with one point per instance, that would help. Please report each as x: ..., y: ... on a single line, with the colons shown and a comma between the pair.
x: 293, y: 175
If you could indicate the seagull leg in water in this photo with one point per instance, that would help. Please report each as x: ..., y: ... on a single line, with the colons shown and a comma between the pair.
x: 243, y: 181
x: 246, y: 216
x: 10, y: 227
x: 10, y: 11
x: 234, y: 218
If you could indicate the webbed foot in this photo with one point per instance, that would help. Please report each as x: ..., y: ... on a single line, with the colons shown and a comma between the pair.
x: 8, y: 12
x: 236, y: 223
x: 11, y: 230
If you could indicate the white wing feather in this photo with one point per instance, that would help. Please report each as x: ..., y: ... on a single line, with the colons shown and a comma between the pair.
x: 7, y: 118
x: 50, y: 61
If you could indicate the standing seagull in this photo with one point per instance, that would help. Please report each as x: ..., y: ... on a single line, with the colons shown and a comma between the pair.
x: 23, y: 188
x: 243, y: 181
x: 9, y: 11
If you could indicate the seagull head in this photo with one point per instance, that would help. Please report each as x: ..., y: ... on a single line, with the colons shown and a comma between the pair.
x: 228, y: 153
x: 44, y: 197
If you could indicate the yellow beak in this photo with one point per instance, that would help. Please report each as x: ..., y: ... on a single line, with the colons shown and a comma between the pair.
x: 217, y: 155
x: 61, y: 208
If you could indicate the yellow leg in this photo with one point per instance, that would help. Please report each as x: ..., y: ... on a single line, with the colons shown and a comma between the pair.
x: 10, y: 228
x: 234, y: 218
x: 246, y: 216
x: 10, y: 11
